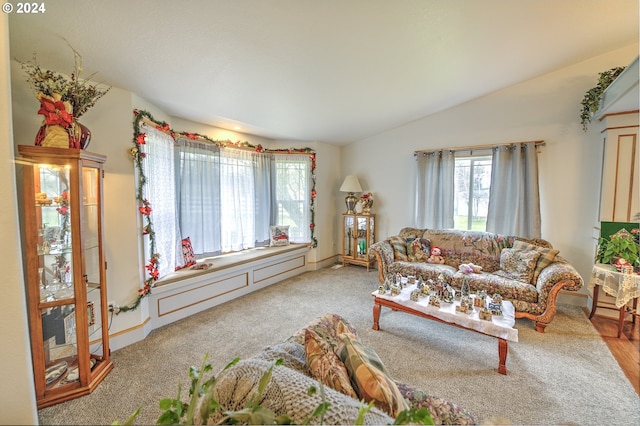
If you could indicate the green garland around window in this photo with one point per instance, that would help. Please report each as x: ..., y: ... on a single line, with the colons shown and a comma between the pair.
x: 144, y: 205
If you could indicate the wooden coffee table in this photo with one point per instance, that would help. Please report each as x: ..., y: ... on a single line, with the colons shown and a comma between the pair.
x: 500, y: 327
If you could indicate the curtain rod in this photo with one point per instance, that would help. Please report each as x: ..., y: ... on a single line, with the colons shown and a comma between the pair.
x: 474, y: 147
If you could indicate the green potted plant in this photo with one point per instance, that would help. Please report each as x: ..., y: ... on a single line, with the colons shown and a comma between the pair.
x: 621, y: 245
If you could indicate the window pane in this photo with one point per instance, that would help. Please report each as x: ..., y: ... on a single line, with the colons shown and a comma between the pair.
x: 472, y: 184
x: 293, y: 195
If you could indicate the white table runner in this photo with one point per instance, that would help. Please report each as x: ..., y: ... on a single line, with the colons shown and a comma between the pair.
x: 499, y: 326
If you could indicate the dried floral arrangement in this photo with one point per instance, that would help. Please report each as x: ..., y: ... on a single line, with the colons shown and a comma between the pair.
x: 79, y: 92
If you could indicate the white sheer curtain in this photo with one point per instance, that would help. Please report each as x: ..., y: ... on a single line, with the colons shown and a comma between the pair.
x: 514, y: 199
x: 199, y: 195
x: 237, y: 217
x: 434, y: 196
x: 160, y: 190
x: 293, y: 189
x: 263, y: 182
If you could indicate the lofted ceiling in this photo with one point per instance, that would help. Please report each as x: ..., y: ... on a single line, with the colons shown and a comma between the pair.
x: 318, y: 70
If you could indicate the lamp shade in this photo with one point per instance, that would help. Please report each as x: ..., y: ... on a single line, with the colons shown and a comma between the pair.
x: 351, y: 184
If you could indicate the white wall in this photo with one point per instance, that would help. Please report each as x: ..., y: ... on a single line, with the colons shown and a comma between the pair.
x: 17, y: 404
x: 545, y: 108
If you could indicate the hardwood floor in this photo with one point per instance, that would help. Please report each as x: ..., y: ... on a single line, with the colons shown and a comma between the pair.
x: 626, y: 349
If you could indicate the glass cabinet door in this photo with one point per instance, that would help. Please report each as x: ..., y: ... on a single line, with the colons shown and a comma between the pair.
x: 91, y: 254
x: 349, y: 248
x: 55, y: 271
x: 362, y: 242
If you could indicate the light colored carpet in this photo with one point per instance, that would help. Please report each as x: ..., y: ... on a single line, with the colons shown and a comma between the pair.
x: 565, y: 376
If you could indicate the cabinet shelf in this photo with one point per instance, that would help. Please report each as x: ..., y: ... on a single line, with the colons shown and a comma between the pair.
x: 63, y: 251
x: 358, y: 234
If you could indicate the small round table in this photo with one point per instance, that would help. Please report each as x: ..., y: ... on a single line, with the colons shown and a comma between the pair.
x: 624, y: 287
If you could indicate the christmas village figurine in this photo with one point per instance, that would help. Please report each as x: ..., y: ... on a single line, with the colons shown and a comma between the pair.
x: 415, y: 295
x: 465, y: 306
x: 395, y: 290
x: 381, y: 290
x: 428, y: 287
x: 481, y: 299
x: 398, y: 280
x: 465, y: 292
x: 420, y: 283
x: 449, y: 294
x: 434, y: 301
x: 411, y: 279
x: 440, y: 285
x: 485, y: 314
x: 495, y: 306
x: 386, y: 284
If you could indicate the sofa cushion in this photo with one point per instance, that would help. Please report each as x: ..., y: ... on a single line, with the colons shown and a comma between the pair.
x: 399, y: 245
x: 291, y: 353
x: 286, y: 393
x: 547, y: 255
x: 508, y: 288
x: 518, y: 264
x: 328, y: 327
x: 418, y: 249
x: 369, y: 376
x: 458, y: 246
x: 421, y: 269
x: 325, y: 365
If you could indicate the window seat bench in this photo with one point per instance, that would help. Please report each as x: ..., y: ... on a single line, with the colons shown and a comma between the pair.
x: 226, y: 277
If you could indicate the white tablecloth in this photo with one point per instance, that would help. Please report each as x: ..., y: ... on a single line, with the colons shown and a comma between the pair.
x: 624, y: 287
x: 499, y: 326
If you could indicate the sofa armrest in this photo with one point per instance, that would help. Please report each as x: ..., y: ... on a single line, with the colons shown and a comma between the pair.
x: 558, y: 273
x: 383, y: 252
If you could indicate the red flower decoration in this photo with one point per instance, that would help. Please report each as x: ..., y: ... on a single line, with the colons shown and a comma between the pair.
x: 146, y: 210
x: 312, y: 225
x: 313, y: 193
x: 141, y: 139
x: 55, y: 112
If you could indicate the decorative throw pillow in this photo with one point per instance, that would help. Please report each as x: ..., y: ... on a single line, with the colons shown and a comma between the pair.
x: 325, y: 365
x: 518, y: 264
x: 399, y: 245
x: 279, y: 235
x: 546, y: 256
x: 418, y: 249
x: 369, y: 376
x: 188, y: 255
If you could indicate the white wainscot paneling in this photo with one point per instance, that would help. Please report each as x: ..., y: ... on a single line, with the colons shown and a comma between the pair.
x: 180, y: 299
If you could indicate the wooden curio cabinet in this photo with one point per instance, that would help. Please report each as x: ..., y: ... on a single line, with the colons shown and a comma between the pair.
x: 65, y: 271
x: 358, y: 234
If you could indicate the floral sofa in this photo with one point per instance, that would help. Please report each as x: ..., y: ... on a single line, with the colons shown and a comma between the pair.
x: 327, y: 350
x: 527, y: 272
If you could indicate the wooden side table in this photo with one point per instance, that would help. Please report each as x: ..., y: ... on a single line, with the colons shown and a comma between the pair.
x: 624, y: 287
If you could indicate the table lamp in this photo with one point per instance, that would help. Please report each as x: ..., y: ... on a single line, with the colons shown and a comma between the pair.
x: 350, y: 185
